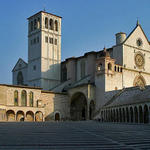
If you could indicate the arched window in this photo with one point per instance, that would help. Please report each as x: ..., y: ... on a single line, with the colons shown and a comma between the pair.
x: 99, y: 67
x: 109, y: 66
x: 56, y: 25
x: 20, y: 78
x: 115, y: 68
x: 118, y: 69
x: 35, y: 24
x: 46, y: 22
x: 38, y: 23
x: 23, y: 98
x: 31, y: 28
x: 51, y: 24
x: 16, y: 98
x: 31, y: 99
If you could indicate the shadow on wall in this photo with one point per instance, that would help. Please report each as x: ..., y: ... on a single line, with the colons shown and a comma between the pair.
x: 61, y: 109
x: 53, y: 74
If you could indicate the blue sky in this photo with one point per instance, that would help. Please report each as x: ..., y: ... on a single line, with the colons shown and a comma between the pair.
x: 87, y: 25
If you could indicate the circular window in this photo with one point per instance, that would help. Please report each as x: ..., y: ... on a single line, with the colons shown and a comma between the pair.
x: 139, y: 42
x: 139, y: 60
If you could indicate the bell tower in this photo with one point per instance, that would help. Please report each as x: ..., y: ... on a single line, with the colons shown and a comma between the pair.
x: 44, y: 50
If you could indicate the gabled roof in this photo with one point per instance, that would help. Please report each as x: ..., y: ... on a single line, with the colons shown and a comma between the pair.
x: 138, y: 25
x: 23, y: 62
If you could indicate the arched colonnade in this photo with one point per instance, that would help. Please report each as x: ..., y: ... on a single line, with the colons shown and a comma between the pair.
x: 131, y: 114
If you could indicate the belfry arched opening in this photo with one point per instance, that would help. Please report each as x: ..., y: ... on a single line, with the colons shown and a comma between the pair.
x: 78, y: 107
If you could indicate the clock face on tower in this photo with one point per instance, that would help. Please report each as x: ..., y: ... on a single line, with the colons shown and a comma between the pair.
x: 139, y: 60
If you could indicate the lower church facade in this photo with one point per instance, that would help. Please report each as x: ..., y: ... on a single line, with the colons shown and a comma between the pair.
x: 112, y: 84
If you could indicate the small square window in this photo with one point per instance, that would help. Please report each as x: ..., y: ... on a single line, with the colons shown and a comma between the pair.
x: 46, y: 39
x: 34, y: 67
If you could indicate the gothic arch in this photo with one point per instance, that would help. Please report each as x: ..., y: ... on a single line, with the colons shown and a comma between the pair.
x: 78, y: 107
x: 20, y: 80
x: 139, y: 81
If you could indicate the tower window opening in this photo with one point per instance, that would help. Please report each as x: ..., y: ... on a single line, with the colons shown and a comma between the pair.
x: 31, y: 25
x: 51, y: 24
x: 56, y: 25
x: 38, y: 23
x: 46, y: 22
x: 35, y: 24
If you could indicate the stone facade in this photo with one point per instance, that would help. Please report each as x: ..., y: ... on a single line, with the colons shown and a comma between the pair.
x: 98, y: 85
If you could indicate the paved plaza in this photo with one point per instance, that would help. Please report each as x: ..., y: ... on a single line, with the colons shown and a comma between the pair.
x: 83, y: 135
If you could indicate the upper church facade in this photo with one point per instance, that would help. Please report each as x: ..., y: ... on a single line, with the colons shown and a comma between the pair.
x: 78, y: 88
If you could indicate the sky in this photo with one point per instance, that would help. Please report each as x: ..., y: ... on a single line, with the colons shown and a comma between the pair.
x: 87, y: 25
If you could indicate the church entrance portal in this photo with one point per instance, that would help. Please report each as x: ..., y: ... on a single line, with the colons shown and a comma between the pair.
x: 78, y: 107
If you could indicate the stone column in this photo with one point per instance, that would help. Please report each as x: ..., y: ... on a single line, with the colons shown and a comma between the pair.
x: 88, y: 111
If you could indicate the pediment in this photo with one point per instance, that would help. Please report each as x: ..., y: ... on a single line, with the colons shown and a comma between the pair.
x: 138, y: 35
x: 20, y: 65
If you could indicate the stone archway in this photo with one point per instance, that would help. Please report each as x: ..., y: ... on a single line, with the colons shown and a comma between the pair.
x: 78, y: 107
x: 10, y: 115
x: 30, y: 116
x: 136, y: 114
x: 39, y: 116
x: 20, y: 116
x: 131, y: 114
x: 146, y: 114
x: 57, y: 116
x: 140, y: 114
x: 127, y: 114
x: 91, y: 109
x: 123, y: 114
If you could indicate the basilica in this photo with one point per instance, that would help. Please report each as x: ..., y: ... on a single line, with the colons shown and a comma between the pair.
x: 111, y: 84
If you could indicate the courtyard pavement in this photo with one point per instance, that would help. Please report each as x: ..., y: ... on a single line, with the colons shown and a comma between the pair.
x: 83, y: 135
